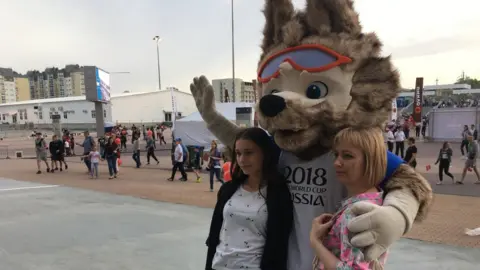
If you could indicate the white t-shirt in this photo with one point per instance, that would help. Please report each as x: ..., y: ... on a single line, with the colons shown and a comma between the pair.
x: 178, y: 153
x: 390, y: 137
x: 243, y: 233
x: 315, y: 191
x: 399, y: 136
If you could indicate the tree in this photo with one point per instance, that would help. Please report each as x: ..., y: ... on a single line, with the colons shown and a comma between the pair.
x: 474, y: 83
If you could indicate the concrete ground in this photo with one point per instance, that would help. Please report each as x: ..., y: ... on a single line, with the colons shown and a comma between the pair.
x: 61, y: 228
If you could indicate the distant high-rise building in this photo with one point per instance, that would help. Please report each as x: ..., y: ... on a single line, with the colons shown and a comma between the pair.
x: 223, y: 88
x: 50, y: 83
x: 8, y: 91
x: 23, y: 88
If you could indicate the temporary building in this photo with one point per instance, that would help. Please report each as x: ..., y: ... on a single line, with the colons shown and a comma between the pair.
x: 193, y: 130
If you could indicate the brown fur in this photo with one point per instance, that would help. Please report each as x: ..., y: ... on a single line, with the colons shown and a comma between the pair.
x: 407, y: 177
x: 316, y: 122
x: 335, y: 24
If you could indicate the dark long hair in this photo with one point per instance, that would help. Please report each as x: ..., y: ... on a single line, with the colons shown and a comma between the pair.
x: 444, y: 145
x: 270, y: 173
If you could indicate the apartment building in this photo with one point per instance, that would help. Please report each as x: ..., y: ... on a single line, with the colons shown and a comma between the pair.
x: 22, y: 87
x: 50, y: 83
x: 223, y: 88
x: 8, y: 91
x: 78, y: 83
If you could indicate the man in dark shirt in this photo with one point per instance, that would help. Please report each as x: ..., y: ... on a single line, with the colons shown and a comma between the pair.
x: 55, y: 147
x: 411, y: 154
x: 101, y: 142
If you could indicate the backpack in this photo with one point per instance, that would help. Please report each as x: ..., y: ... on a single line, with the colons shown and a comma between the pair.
x: 185, y: 152
x: 39, y: 143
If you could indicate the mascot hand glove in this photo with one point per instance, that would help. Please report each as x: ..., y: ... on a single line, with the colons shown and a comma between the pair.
x: 376, y: 228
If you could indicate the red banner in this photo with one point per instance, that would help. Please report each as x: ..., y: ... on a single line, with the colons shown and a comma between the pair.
x: 418, y: 100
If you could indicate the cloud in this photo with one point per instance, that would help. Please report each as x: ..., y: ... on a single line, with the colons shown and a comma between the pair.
x: 433, y: 47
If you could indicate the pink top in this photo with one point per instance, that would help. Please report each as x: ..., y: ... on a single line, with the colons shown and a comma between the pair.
x: 337, y: 240
x: 95, y: 157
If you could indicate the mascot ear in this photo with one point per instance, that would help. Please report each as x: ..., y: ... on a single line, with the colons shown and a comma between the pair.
x: 375, y: 84
x: 337, y: 16
x: 277, y: 14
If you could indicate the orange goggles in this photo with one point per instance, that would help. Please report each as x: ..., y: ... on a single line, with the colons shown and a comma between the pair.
x: 308, y: 57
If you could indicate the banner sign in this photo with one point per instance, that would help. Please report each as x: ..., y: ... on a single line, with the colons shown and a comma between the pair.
x: 418, y: 100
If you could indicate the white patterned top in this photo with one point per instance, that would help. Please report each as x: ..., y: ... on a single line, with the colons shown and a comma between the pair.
x: 243, y: 233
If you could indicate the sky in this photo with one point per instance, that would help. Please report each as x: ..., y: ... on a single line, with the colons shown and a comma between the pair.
x: 427, y: 38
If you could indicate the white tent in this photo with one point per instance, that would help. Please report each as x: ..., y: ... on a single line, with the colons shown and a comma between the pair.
x: 193, y: 130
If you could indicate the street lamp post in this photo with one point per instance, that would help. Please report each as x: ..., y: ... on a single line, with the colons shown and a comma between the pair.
x: 158, y: 40
x: 233, y: 55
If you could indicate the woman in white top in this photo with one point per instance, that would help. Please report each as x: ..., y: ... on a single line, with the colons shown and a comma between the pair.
x: 253, y: 216
x: 399, y: 142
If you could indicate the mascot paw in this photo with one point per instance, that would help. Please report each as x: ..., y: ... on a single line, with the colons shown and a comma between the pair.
x: 375, y: 228
x: 203, y: 94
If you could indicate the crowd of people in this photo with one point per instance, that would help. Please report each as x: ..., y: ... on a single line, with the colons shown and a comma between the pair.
x: 109, y: 148
x: 451, y: 101
x: 253, y: 165
x: 397, y: 133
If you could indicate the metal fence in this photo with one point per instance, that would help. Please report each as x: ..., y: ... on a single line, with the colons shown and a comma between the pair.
x: 446, y: 124
x: 5, y: 152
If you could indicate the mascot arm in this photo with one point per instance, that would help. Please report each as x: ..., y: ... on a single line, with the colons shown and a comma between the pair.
x: 376, y: 228
x: 410, y: 193
x: 221, y: 127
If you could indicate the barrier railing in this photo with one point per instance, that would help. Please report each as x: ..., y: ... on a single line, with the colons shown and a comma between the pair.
x: 5, y: 152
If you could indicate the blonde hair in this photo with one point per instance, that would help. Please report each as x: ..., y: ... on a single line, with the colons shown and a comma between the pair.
x: 371, y: 142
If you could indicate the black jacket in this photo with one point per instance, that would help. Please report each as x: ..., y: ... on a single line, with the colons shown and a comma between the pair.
x: 279, y: 225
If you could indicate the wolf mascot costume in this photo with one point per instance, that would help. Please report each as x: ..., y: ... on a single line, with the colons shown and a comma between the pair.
x: 318, y: 73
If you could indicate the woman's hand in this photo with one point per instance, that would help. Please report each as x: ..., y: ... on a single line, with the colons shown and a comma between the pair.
x: 320, y: 227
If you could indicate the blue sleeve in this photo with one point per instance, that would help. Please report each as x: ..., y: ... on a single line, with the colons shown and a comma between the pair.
x: 393, y: 163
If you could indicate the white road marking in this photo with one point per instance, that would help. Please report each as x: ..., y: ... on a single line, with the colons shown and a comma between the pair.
x: 24, y: 188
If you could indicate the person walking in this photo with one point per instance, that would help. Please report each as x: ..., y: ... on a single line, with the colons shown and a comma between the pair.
x: 178, y: 159
x: 136, y: 151
x: 465, y: 133
x: 151, y: 150
x: 87, y: 145
x: 214, y: 164
x: 390, y: 139
x: 445, y: 159
x: 111, y: 150
x: 41, y: 151
x: 471, y: 162
x: 54, y: 151
x: 399, y: 142
x: 411, y: 154
x: 94, y: 159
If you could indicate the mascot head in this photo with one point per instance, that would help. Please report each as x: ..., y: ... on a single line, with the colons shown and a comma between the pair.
x: 319, y: 73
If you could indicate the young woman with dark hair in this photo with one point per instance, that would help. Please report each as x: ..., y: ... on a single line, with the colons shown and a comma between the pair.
x: 111, y: 151
x: 253, y: 217
x: 444, y: 158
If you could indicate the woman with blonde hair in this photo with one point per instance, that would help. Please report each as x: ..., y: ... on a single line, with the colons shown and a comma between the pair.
x: 360, y: 164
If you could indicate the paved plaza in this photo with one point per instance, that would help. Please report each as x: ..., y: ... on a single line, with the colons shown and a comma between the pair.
x: 66, y: 221
x: 62, y: 228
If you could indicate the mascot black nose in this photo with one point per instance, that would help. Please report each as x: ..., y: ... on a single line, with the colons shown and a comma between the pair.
x: 272, y: 105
